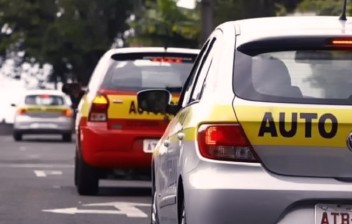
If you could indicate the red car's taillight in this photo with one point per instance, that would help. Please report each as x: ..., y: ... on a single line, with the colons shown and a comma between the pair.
x: 99, y: 109
x: 225, y: 142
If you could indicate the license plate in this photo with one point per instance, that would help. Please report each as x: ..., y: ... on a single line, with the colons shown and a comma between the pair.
x: 149, y: 145
x: 333, y: 214
x: 41, y: 125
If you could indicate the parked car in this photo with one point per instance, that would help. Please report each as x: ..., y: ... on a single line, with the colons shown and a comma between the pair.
x: 262, y: 132
x: 113, y: 136
x: 43, y: 112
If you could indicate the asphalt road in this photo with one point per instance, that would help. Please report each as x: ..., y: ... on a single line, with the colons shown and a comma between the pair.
x: 36, y: 187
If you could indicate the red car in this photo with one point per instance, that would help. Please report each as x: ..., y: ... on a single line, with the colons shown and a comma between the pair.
x: 112, y: 133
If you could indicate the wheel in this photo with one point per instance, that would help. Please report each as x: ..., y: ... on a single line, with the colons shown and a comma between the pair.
x: 17, y: 136
x: 76, y: 170
x: 86, y: 178
x: 154, y: 213
x: 183, y: 219
x: 67, y: 137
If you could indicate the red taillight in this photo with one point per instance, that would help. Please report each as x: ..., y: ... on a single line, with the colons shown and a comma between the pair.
x: 21, y: 111
x: 99, y: 109
x: 225, y: 142
x: 67, y: 113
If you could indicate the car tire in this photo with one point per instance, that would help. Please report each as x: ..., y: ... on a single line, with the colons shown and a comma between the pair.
x: 183, y: 219
x: 67, y: 137
x: 154, y: 211
x: 86, y: 178
x: 76, y: 170
x: 17, y: 136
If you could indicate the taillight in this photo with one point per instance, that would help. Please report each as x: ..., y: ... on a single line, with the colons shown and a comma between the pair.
x: 21, y: 111
x: 67, y: 113
x: 99, y: 109
x: 225, y: 142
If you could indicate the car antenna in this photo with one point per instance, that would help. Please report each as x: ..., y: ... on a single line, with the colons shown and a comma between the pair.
x: 343, y: 15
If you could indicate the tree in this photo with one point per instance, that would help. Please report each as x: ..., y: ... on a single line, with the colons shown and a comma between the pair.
x: 162, y: 23
x: 69, y: 34
x: 323, y: 7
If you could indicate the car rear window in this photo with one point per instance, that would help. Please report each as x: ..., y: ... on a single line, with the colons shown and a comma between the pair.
x: 298, y: 74
x: 44, y: 100
x: 146, y: 71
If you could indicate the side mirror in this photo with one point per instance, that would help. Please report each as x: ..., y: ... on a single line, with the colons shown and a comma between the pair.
x: 155, y: 101
x: 71, y: 88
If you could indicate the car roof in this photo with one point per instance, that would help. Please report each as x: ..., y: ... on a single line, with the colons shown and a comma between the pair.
x: 291, y: 26
x: 153, y: 50
x: 43, y: 91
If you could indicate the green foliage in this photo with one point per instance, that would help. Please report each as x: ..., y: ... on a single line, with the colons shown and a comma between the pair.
x: 323, y: 7
x: 69, y: 34
x: 162, y: 23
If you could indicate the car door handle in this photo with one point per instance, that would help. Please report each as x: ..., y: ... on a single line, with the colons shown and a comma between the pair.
x: 180, y: 136
x: 166, y: 143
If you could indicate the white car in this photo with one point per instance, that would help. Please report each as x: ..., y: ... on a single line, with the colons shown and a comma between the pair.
x: 263, y: 129
x: 43, y: 112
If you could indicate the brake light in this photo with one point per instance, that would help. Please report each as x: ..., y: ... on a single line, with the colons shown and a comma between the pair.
x: 44, y: 96
x: 167, y: 60
x: 68, y: 113
x: 343, y: 42
x: 21, y: 111
x: 225, y: 142
x: 99, y: 109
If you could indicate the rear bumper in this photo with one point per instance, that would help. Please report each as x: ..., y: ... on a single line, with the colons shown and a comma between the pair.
x: 43, y: 126
x: 249, y: 194
x: 115, y: 149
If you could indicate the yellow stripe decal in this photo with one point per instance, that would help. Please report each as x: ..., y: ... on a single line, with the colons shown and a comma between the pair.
x: 295, y: 126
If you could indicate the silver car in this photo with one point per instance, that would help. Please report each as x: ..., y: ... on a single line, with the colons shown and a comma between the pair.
x: 43, y: 112
x: 263, y: 129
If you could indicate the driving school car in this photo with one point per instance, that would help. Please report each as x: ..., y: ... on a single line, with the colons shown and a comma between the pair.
x: 43, y: 112
x: 263, y: 130
x: 113, y: 135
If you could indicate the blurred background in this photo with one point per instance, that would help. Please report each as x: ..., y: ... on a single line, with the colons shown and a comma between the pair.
x: 45, y: 43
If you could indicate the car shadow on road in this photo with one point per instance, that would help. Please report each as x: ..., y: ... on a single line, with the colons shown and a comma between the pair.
x: 45, y: 140
x: 124, y: 191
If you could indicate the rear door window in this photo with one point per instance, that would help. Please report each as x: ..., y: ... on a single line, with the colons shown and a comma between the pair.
x: 137, y: 72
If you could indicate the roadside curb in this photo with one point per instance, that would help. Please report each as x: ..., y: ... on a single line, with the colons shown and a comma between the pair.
x: 5, y: 129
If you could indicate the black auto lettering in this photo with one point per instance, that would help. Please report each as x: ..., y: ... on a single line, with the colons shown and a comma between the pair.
x: 268, y: 125
x: 308, y: 123
x: 132, y: 108
x: 282, y: 124
x: 321, y: 126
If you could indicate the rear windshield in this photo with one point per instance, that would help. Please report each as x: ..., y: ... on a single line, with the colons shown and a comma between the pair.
x: 44, y: 100
x: 147, y: 72
x: 320, y: 75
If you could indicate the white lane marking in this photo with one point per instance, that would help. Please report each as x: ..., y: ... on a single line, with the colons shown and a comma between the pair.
x: 39, y: 173
x: 16, y: 165
x: 126, y: 207
x: 123, y: 208
x: 45, y: 173
x: 72, y: 211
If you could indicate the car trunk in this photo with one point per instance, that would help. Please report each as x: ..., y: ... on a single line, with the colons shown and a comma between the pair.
x: 45, y: 111
x: 299, y: 140
x: 123, y: 113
